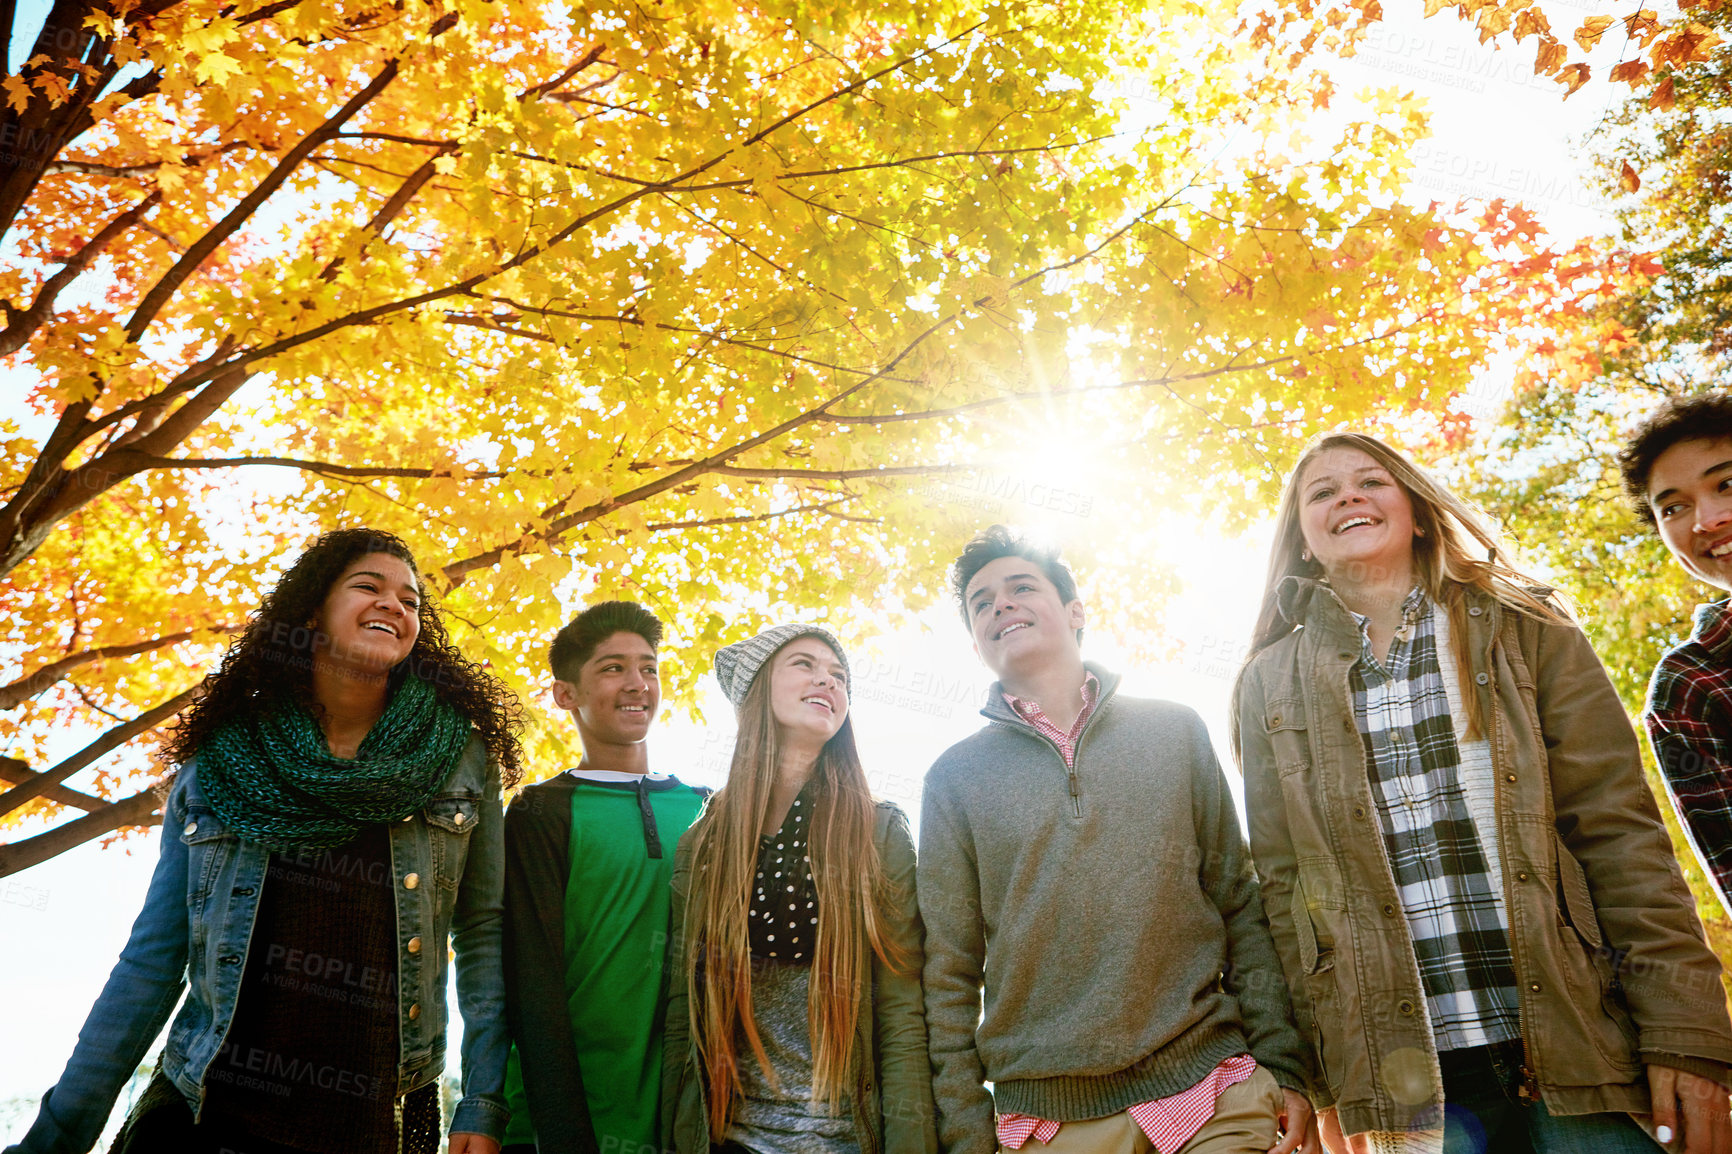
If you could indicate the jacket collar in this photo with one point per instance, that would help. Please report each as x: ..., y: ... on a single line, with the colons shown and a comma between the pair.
x: 1311, y: 603
x: 997, y: 709
x: 1714, y: 627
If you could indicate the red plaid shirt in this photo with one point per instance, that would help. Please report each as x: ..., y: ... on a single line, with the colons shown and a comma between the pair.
x: 1689, y: 719
x: 1168, y: 1122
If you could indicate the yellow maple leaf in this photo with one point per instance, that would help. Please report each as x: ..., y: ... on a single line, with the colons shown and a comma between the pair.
x: 216, y: 68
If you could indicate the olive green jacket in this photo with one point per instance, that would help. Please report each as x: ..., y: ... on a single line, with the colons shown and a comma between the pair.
x: 1610, y: 959
x: 892, y: 1091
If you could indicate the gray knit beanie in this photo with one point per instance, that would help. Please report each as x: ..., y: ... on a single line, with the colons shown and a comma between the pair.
x: 738, y: 664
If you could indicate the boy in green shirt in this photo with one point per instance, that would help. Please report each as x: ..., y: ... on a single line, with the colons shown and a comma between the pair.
x: 588, y: 858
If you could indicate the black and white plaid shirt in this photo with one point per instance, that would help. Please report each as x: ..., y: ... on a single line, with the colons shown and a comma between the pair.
x: 1459, y: 926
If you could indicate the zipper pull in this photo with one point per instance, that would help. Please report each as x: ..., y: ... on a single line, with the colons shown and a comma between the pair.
x: 1529, y: 1090
x: 1075, y: 798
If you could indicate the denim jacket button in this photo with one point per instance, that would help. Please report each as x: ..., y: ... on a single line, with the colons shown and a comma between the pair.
x: 191, y: 828
x: 414, y: 1011
x: 411, y: 881
x: 414, y: 945
x: 243, y: 891
x: 230, y: 959
x: 457, y: 818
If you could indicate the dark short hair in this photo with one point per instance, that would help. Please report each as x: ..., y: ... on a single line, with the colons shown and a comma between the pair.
x: 996, y: 542
x: 575, y: 644
x: 1698, y: 417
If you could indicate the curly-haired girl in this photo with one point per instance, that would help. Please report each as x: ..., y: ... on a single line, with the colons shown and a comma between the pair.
x: 335, y: 820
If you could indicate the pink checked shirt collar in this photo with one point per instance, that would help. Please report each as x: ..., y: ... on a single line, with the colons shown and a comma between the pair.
x: 1031, y: 712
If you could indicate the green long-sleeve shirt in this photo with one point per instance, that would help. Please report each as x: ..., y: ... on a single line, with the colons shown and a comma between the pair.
x: 587, y: 870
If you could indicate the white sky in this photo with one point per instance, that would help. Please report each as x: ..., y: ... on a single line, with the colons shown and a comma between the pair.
x: 1496, y: 132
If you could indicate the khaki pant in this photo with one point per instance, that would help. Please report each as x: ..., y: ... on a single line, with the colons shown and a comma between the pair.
x: 1244, y: 1123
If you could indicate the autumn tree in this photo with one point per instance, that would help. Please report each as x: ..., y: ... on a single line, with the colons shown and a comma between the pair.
x: 690, y: 302
x: 1652, y: 45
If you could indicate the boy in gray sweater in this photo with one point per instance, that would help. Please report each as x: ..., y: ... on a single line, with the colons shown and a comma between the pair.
x: 1081, y: 862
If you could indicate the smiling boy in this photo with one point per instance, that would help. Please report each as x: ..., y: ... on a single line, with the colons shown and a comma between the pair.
x: 1677, y: 469
x: 1082, y: 866
x: 589, y: 855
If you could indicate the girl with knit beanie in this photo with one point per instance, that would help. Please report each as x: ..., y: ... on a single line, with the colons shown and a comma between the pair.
x: 795, y: 1021
x: 334, y: 824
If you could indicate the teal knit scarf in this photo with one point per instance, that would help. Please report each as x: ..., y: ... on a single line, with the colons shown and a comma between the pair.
x: 272, y: 780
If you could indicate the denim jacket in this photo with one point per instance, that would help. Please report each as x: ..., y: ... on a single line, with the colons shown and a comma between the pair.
x: 447, y: 863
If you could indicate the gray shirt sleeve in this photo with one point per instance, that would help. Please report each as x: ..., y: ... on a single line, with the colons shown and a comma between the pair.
x: 949, y: 890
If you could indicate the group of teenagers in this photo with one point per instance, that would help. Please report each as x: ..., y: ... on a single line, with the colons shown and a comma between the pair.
x: 1456, y: 923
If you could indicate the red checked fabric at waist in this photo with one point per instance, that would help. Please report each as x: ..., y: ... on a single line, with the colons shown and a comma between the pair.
x: 1168, y: 1122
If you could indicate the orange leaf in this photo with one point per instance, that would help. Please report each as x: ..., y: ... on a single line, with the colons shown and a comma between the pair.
x: 1550, y: 57
x: 1573, y: 77
x: 1631, y: 72
x: 1627, y: 178
x: 1433, y: 7
x: 1492, y: 21
x: 1641, y: 26
x: 1692, y: 45
x: 1663, y: 97
x: 1592, y: 29
x: 1531, y: 22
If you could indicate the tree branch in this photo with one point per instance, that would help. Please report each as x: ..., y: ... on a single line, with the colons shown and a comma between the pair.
x: 139, y: 809
x: 399, y: 201
x: 747, y: 518
x: 839, y: 474
x: 324, y: 468
x: 11, y: 696
x: 531, y: 252
x: 195, y: 255
x: 583, y: 62
x: 17, y: 772
x: 22, y: 324
x: 1166, y: 382
x: 121, y: 734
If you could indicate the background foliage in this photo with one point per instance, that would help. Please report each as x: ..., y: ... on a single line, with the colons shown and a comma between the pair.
x: 691, y: 303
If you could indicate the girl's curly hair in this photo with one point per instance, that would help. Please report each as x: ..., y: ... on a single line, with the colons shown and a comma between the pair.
x: 273, y: 658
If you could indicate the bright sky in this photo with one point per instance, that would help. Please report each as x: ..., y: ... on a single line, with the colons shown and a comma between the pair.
x: 1496, y: 132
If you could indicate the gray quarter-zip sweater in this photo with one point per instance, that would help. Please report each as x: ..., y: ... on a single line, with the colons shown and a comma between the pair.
x: 1111, y: 915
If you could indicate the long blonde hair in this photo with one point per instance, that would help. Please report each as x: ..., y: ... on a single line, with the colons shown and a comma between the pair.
x: 1444, y: 557
x: 852, y: 893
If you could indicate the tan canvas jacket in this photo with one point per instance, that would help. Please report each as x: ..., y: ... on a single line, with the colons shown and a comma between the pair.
x: 1609, y: 955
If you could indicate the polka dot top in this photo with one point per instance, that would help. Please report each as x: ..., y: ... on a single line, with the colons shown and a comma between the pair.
x: 782, y: 922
